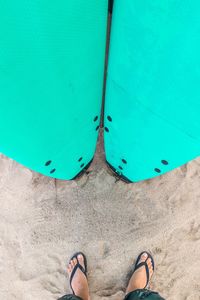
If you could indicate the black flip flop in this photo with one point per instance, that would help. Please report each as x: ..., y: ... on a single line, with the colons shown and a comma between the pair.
x: 144, y: 263
x: 78, y: 266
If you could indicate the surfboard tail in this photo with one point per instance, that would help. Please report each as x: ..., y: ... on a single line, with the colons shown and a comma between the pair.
x: 152, y: 107
x: 51, y: 81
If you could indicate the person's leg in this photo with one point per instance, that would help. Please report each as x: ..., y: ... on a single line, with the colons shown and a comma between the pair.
x: 79, y: 282
x: 137, y: 284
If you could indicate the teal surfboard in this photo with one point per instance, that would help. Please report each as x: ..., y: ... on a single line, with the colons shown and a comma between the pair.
x: 51, y: 80
x: 152, y: 109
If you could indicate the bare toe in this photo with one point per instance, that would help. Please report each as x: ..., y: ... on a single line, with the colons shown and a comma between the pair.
x: 75, y: 261
x: 81, y: 260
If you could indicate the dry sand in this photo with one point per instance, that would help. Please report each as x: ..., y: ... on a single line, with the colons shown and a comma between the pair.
x: 43, y: 221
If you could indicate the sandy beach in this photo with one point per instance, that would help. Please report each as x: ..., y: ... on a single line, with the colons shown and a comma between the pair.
x: 43, y: 221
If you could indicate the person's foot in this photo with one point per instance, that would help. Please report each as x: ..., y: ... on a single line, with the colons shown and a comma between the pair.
x: 79, y: 282
x: 139, y: 277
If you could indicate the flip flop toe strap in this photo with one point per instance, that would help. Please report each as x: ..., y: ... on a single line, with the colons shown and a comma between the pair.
x: 144, y: 263
x: 77, y: 266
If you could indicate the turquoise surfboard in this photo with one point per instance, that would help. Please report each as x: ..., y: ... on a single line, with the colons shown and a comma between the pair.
x: 152, y: 109
x: 51, y: 79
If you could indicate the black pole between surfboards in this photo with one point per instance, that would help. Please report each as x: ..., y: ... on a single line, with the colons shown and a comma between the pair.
x: 110, y: 9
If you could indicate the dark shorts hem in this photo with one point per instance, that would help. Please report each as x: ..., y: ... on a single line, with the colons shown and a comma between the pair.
x: 70, y: 297
x: 143, y: 294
